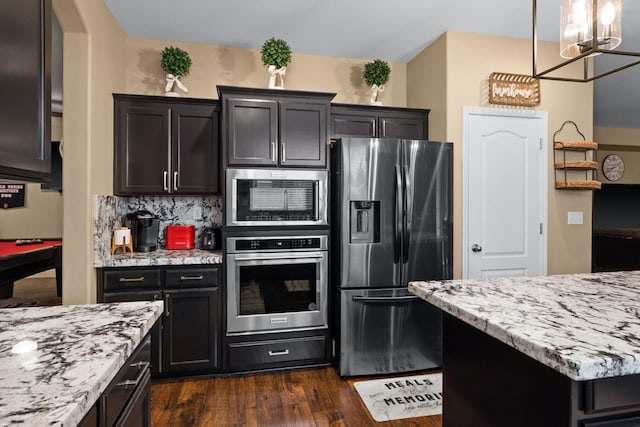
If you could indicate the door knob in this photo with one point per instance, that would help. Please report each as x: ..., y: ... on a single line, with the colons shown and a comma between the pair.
x: 476, y: 248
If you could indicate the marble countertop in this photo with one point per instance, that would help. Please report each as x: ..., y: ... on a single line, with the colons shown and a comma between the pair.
x: 56, y: 361
x: 160, y: 257
x: 585, y: 326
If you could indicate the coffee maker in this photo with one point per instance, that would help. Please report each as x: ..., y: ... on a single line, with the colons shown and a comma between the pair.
x: 144, y: 230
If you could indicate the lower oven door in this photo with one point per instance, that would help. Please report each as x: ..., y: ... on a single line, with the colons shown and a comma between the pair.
x: 386, y: 331
x: 276, y: 291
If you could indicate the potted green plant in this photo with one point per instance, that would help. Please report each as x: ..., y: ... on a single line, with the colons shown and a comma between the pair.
x: 376, y: 73
x: 176, y: 63
x: 276, y: 55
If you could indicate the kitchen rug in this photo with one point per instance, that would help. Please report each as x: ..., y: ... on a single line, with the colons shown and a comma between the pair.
x: 403, y: 397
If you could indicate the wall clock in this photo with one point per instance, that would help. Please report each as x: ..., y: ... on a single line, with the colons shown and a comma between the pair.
x: 613, y: 167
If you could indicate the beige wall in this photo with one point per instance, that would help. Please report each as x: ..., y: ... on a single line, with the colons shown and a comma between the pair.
x: 468, y: 61
x: 41, y: 216
x: 219, y: 65
x: 617, y: 136
x: 426, y: 81
x: 625, y: 143
x: 94, y: 68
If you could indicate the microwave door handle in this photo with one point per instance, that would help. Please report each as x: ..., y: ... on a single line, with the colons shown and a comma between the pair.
x: 318, y: 200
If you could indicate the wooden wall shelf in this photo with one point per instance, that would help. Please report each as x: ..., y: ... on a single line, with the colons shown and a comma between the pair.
x: 576, y: 165
x: 578, y: 184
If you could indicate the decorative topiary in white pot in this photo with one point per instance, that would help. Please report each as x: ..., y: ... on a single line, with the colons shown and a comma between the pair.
x: 176, y: 63
x: 276, y: 55
x: 376, y: 73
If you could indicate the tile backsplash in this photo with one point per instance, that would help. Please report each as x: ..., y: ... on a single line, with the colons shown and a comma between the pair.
x: 110, y: 212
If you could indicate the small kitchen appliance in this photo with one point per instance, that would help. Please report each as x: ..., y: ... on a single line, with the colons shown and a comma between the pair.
x: 144, y: 230
x: 180, y: 237
x: 210, y: 239
x: 281, y: 197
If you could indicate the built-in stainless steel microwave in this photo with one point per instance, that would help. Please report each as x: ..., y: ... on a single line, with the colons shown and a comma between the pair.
x: 276, y: 197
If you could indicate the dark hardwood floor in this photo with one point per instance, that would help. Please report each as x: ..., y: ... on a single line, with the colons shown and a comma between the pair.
x: 299, y: 397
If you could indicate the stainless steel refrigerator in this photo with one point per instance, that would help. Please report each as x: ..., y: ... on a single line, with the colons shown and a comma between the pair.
x: 391, y: 220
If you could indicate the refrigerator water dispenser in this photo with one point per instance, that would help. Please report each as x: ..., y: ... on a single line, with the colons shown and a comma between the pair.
x: 365, y: 221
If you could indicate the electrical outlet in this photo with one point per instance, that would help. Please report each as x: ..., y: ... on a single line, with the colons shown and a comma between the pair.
x: 575, y: 218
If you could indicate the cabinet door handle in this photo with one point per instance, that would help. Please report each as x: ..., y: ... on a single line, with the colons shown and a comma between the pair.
x: 165, y: 182
x: 142, y: 366
x: 175, y: 181
x: 183, y: 278
x: 278, y: 353
x: 273, y: 151
x: 284, y: 153
x: 166, y: 305
x: 131, y: 279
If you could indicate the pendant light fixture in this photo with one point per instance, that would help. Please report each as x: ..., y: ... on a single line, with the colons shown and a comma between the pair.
x: 587, y: 28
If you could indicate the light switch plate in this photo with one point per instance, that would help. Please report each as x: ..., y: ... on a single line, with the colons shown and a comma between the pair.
x: 197, y: 212
x: 575, y: 218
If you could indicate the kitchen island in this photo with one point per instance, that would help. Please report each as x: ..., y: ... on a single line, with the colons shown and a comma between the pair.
x: 540, y: 351
x: 56, y: 362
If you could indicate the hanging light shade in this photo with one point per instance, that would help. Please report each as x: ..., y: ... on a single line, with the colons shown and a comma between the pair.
x: 587, y: 28
x: 583, y: 21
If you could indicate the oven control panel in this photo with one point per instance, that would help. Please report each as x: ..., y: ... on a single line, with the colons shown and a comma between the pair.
x: 277, y: 244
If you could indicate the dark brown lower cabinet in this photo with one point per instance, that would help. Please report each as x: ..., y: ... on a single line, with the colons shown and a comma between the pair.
x: 186, y: 340
x: 190, y: 336
x: 126, y: 402
x: 488, y: 383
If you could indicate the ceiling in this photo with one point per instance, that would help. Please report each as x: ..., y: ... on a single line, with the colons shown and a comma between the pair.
x: 391, y: 30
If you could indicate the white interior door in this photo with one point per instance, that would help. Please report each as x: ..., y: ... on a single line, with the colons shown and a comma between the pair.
x: 505, y: 193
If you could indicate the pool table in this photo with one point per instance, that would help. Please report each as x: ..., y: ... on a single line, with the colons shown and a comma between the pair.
x: 20, y: 261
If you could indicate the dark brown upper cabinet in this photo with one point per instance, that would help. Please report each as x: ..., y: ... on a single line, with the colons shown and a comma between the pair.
x: 266, y: 127
x: 165, y: 145
x: 349, y: 120
x: 25, y: 106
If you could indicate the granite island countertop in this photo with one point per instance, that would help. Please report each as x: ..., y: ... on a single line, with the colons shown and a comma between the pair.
x: 159, y: 257
x: 585, y: 326
x: 78, y: 351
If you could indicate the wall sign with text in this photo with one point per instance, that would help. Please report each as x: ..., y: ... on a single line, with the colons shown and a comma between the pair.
x: 514, y: 89
x: 12, y: 196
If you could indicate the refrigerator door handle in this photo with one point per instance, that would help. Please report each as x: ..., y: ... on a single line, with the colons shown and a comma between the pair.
x: 397, y: 223
x: 406, y: 235
x: 407, y: 298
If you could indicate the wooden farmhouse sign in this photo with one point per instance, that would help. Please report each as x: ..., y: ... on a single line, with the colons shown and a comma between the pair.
x: 514, y: 89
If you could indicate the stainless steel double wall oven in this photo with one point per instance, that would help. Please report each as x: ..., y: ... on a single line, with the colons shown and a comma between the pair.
x: 276, y: 242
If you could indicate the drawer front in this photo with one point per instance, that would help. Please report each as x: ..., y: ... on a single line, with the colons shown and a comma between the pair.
x: 132, y: 278
x: 192, y: 277
x: 608, y: 394
x: 119, y: 392
x: 632, y: 421
x: 272, y: 353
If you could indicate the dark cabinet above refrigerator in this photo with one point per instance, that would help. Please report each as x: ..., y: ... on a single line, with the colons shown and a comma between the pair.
x: 378, y: 122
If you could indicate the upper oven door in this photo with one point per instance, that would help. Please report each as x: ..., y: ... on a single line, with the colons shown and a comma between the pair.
x: 276, y: 197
